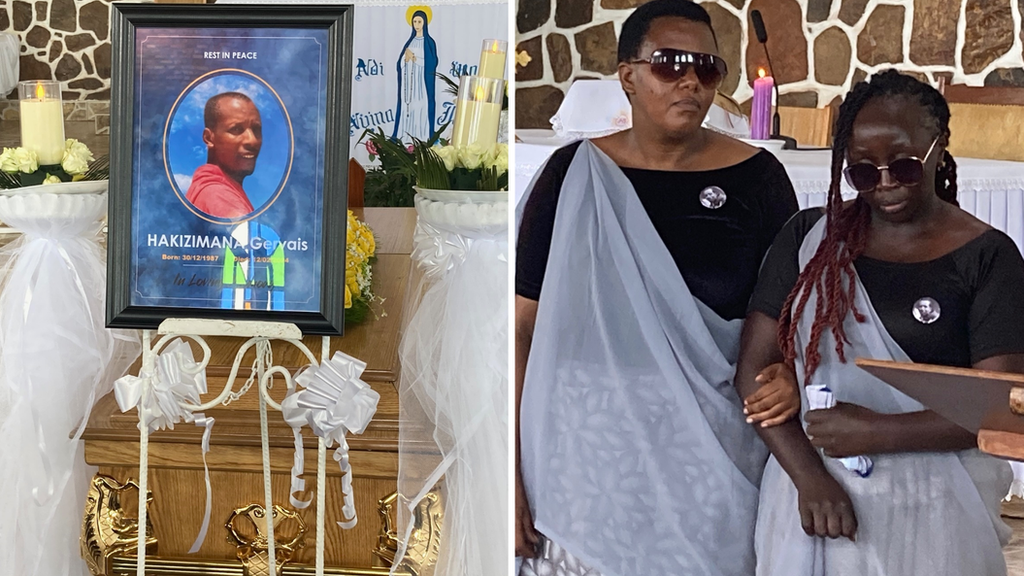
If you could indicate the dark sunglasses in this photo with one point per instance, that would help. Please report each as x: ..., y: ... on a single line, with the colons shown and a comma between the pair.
x: 669, y: 65
x: 865, y: 177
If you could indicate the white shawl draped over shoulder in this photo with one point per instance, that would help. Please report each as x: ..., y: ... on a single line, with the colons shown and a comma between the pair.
x: 934, y: 513
x: 635, y: 453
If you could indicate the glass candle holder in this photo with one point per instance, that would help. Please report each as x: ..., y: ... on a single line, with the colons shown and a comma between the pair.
x: 42, y: 120
x: 478, y: 111
x: 492, y: 59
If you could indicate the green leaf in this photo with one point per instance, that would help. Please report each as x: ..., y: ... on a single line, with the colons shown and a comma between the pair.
x: 357, y: 313
x: 451, y: 87
x: 430, y: 169
x: 34, y: 179
x: 9, y: 180
x: 465, y: 179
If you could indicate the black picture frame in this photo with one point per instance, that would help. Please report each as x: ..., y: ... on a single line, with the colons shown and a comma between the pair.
x: 337, y: 20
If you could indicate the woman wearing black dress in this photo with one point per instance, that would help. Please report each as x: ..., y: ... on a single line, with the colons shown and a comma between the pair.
x: 636, y: 257
x: 901, y: 273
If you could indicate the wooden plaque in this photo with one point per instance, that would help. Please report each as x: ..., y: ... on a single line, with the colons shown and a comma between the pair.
x: 977, y: 400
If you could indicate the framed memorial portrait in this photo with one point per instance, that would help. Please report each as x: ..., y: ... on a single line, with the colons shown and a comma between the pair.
x: 229, y: 164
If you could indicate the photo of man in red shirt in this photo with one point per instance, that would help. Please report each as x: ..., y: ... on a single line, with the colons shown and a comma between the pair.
x: 233, y: 135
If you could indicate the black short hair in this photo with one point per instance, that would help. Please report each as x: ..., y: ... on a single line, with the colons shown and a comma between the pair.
x: 635, y: 28
x: 211, y: 114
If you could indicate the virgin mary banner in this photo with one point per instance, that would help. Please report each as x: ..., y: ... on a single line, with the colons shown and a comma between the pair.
x: 398, y: 50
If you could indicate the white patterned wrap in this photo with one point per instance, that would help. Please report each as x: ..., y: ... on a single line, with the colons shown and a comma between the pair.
x: 954, y: 497
x: 554, y: 560
x: 632, y: 436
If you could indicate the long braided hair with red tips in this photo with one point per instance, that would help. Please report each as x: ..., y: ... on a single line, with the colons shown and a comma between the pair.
x: 830, y: 271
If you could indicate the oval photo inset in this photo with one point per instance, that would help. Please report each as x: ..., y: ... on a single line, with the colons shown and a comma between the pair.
x: 228, y: 146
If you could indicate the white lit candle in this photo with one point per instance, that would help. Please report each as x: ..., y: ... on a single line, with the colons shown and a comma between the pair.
x: 492, y: 59
x: 478, y: 111
x: 42, y: 120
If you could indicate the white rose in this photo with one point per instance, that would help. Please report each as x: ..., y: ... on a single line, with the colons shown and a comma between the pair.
x: 51, y: 179
x: 7, y: 163
x: 76, y: 157
x: 489, y: 155
x: 448, y: 154
x: 501, y: 161
x: 472, y: 156
x: 74, y: 164
x: 75, y: 147
x: 22, y: 159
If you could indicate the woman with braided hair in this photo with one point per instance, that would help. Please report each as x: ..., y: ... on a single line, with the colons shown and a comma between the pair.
x: 899, y: 273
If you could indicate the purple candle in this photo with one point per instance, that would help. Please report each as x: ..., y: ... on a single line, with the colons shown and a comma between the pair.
x: 761, y: 106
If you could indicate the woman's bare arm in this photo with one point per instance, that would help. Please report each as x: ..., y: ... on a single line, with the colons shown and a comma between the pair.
x: 526, y: 316
x: 825, y: 508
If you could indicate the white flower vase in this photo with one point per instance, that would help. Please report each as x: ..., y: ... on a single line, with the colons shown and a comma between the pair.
x: 454, y: 397
x: 463, y: 196
x: 503, y: 127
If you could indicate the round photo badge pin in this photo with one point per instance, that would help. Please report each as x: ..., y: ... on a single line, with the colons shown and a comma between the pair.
x: 712, y: 197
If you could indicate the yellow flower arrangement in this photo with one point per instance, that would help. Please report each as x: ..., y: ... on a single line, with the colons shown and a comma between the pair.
x: 360, y: 252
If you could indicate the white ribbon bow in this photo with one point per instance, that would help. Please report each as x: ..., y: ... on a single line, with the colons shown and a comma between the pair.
x: 333, y: 402
x: 438, y: 251
x: 157, y: 394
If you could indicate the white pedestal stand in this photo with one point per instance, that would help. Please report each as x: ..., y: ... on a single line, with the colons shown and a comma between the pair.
x: 454, y: 387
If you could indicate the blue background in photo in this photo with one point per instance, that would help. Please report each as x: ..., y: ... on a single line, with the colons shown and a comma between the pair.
x: 168, y: 60
x: 186, y: 150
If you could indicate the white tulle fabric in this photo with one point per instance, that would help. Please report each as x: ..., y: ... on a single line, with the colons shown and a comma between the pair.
x: 454, y: 384
x: 918, y: 513
x: 56, y: 358
x: 635, y: 454
x: 10, y: 50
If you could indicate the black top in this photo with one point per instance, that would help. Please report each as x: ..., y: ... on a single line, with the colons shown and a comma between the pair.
x: 977, y: 287
x: 718, y: 251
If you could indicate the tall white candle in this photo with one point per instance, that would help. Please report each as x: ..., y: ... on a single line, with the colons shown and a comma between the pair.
x: 492, y: 59
x: 477, y: 111
x: 42, y: 121
x: 476, y: 122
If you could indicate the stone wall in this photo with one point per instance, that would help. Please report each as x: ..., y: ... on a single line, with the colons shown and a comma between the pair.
x: 69, y: 41
x: 819, y: 47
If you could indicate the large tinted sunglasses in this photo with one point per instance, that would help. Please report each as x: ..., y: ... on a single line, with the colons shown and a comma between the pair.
x: 909, y: 171
x: 669, y: 65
